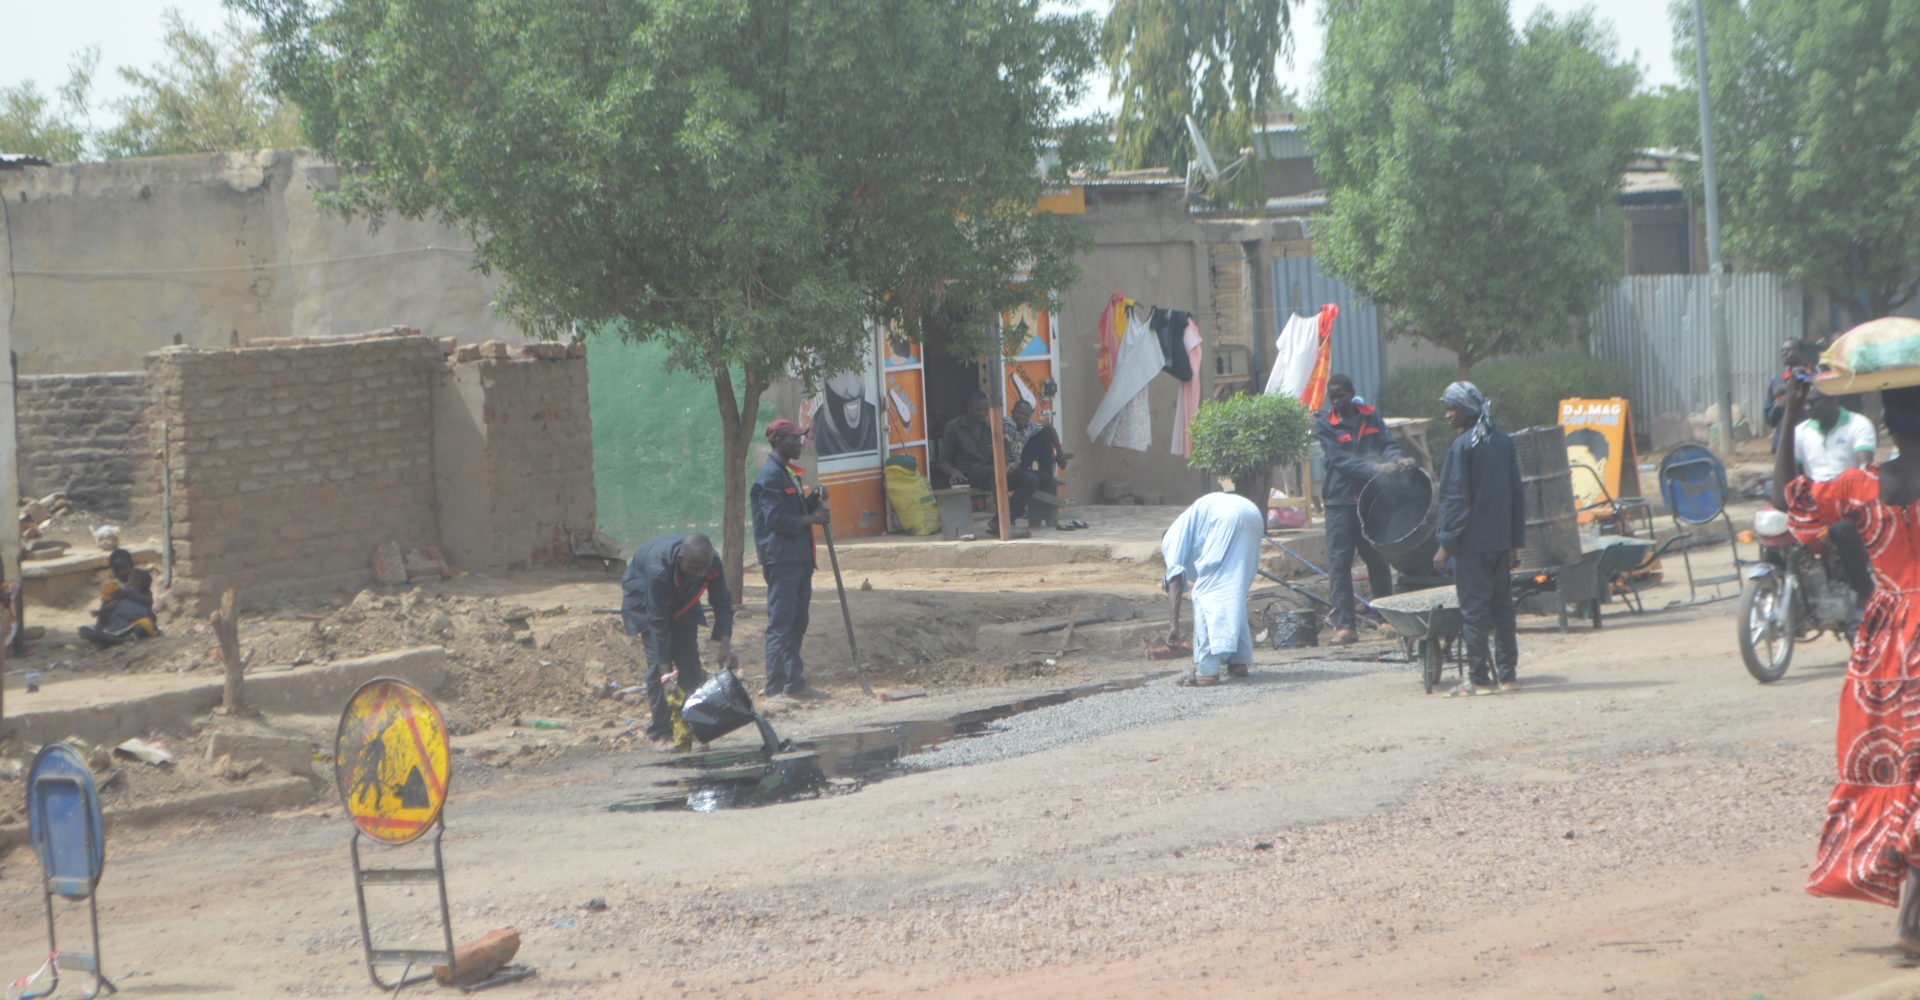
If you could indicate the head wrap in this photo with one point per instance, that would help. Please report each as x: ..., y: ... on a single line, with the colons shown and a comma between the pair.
x: 781, y: 426
x: 1467, y: 397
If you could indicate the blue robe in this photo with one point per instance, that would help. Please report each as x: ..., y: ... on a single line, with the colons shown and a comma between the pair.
x: 1215, y: 544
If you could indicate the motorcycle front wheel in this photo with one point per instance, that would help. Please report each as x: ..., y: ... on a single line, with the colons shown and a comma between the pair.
x: 1766, y: 629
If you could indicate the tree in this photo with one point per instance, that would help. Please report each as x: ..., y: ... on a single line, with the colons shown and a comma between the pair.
x: 1212, y: 59
x: 748, y: 183
x: 30, y: 123
x: 1816, y: 148
x: 1471, y: 172
x: 207, y: 95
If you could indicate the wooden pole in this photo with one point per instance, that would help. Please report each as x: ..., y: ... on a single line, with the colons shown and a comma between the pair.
x: 226, y: 628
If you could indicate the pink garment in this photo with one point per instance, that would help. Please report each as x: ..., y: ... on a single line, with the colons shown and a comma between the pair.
x: 1189, y: 393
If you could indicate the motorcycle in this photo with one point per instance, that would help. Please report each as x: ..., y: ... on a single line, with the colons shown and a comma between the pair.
x: 1793, y: 594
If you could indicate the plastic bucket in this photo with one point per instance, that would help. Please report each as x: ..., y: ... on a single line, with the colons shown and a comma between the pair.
x: 1293, y: 629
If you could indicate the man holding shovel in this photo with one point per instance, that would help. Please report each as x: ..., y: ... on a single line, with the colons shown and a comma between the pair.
x: 783, y: 518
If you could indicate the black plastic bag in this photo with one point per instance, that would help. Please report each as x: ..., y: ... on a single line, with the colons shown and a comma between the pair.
x: 720, y: 706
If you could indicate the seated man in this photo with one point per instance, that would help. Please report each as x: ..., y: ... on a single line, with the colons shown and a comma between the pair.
x: 126, y: 612
x: 966, y: 456
x: 1832, y: 439
x: 1034, y: 447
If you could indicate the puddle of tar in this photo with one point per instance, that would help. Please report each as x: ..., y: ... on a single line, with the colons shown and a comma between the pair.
x: 829, y: 765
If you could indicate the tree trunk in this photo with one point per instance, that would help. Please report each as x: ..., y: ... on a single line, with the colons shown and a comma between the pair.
x: 736, y: 422
x: 226, y: 628
x: 1463, y: 365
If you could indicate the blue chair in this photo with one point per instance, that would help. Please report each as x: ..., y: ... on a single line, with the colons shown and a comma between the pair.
x: 63, y: 822
x: 1693, y: 483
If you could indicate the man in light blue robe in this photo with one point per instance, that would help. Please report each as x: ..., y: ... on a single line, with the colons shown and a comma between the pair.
x: 1211, y: 552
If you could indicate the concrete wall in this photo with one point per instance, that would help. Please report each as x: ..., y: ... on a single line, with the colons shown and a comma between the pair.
x: 289, y: 464
x: 113, y: 260
x: 86, y: 436
x: 513, y: 460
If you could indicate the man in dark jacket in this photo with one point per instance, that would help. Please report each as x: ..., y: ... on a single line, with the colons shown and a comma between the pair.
x: 1357, y: 446
x: 1483, y: 526
x: 783, y: 520
x: 662, y: 589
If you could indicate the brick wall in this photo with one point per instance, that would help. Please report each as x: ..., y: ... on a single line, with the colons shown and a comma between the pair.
x: 290, y: 464
x: 514, y: 458
x: 86, y: 436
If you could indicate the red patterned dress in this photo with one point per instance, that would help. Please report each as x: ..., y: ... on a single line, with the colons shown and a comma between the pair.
x: 1869, y: 837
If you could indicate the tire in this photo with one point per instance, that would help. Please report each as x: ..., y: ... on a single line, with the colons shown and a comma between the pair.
x: 1431, y: 663
x: 1766, y: 630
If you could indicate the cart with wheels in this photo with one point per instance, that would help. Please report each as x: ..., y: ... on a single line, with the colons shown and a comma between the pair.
x: 1428, y: 623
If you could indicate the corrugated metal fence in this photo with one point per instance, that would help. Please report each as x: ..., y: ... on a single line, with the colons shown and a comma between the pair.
x: 1299, y: 287
x: 1658, y: 328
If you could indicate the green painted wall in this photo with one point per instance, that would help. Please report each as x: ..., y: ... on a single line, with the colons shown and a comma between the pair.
x: 657, y: 466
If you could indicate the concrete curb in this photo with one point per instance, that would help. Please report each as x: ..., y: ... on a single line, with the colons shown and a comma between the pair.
x: 284, y: 793
x: 320, y: 689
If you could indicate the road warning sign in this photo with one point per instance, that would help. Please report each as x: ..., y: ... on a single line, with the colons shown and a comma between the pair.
x: 390, y: 760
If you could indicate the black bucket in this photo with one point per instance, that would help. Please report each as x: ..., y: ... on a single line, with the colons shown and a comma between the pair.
x: 1398, y: 510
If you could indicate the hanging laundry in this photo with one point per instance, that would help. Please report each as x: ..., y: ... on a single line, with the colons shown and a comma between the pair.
x: 1123, y: 419
x: 1113, y: 322
x: 1302, y: 356
x: 1189, y: 391
x: 1170, y: 326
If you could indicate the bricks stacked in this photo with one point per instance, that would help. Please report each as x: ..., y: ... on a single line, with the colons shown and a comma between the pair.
x: 290, y: 464
x: 86, y: 436
x: 518, y: 505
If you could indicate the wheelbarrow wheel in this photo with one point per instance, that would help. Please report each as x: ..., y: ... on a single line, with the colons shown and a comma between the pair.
x: 1432, y: 659
x: 1766, y: 629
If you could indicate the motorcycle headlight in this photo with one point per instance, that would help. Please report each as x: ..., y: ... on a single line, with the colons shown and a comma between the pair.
x: 1770, y: 522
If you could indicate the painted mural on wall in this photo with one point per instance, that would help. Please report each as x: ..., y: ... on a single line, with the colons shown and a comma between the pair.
x: 844, y: 417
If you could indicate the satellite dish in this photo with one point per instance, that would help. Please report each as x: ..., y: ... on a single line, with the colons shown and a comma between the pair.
x: 1203, y: 157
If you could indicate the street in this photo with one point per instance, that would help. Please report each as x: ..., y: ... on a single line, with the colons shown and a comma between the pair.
x: 1635, y: 822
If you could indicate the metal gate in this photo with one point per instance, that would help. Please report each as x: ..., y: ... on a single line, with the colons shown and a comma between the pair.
x: 1300, y: 287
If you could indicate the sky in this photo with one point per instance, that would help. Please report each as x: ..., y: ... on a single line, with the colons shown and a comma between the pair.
x: 41, y: 38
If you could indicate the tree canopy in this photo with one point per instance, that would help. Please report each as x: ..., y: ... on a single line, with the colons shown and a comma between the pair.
x: 207, y: 95
x: 747, y: 183
x: 1816, y: 143
x: 54, y: 129
x: 1212, y: 59
x: 1471, y: 170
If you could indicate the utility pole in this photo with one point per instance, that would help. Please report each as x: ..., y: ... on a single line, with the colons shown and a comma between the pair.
x: 1716, y: 268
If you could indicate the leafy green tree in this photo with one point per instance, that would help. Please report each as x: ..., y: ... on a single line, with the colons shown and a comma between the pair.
x: 748, y: 183
x: 1817, y: 151
x: 1244, y: 436
x: 1471, y: 170
x: 1212, y: 59
x: 207, y: 95
x: 54, y: 130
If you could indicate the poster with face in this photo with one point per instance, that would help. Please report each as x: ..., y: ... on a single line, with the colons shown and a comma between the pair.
x: 845, y: 419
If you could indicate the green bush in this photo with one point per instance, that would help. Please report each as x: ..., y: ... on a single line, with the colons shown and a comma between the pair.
x: 1244, y: 437
x: 1524, y: 393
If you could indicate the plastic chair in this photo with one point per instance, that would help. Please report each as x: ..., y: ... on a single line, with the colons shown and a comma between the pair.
x: 1693, y: 483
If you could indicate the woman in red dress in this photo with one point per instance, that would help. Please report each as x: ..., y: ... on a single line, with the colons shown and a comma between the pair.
x: 1870, y: 844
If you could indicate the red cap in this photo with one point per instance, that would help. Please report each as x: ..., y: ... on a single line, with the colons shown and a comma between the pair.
x: 783, y: 426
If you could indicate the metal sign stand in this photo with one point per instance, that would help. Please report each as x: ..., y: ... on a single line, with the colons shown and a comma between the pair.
x: 63, y: 819
x: 390, y: 759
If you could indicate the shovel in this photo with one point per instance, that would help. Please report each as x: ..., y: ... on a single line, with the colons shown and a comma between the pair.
x: 853, y: 647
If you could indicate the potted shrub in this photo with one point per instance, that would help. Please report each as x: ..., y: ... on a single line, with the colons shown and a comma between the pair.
x: 1243, y: 437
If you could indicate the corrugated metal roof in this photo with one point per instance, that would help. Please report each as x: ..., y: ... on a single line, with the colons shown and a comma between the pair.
x: 1282, y: 142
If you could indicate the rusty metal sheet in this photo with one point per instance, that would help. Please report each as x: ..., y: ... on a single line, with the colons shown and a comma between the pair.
x: 390, y: 760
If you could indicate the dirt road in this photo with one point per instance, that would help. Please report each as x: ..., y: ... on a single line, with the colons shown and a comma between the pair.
x: 1635, y: 822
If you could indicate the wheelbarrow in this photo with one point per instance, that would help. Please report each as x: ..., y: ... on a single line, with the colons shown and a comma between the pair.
x: 1428, y: 622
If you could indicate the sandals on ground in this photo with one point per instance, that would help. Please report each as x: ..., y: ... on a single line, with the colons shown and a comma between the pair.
x: 1197, y: 681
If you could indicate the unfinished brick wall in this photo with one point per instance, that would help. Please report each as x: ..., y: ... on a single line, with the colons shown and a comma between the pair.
x: 85, y: 436
x: 289, y: 464
x: 514, y: 458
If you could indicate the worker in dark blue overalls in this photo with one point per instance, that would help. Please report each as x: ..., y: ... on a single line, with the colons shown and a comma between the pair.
x: 1483, y: 527
x: 783, y: 518
x: 1357, y: 446
x: 663, y: 586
